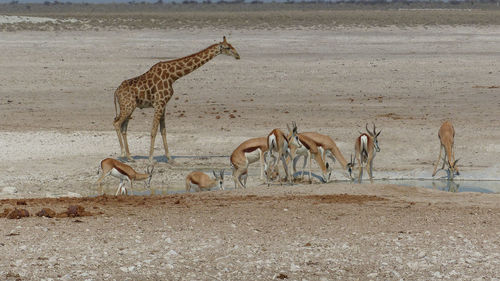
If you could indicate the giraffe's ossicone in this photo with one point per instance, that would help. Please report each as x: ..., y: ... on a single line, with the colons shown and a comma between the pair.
x: 154, y: 89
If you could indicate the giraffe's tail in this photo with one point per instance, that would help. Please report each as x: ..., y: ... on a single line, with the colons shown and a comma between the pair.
x: 116, y: 110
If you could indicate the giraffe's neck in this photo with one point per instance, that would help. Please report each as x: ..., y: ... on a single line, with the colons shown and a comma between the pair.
x: 183, y: 66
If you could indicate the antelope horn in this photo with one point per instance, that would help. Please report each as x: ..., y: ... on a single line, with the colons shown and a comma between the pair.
x: 366, y: 127
x: 374, y: 131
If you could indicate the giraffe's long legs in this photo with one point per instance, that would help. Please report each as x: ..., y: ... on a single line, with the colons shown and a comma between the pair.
x: 163, y: 131
x: 125, y: 141
x: 119, y: 125
x: 156, y: 121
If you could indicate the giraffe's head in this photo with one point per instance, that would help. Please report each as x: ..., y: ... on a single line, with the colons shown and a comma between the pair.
x: 227, y: 49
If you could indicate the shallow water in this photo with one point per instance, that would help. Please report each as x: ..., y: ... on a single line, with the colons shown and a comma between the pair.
x: 452, y: 186
x: 480, y: 186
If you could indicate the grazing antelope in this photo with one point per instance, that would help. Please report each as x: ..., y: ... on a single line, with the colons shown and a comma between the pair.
x: 308, y: 148
x: 365, y: 149
x: 446, y: 136
x: 278, y: 142
x: 328, y: 148
x: 123, y: 172
x: 246, y: 153
x: 203, y: 181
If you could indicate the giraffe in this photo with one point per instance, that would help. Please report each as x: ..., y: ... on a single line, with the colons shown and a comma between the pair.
x: 154, y: 89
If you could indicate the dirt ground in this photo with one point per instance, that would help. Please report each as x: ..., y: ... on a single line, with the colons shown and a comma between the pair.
x: 56, y: 109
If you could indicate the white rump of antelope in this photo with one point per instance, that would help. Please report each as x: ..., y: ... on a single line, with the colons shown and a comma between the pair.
x: 446, y: 136
x: 199, y: 180
x: 365, y: 149
x: 278, y: 142
x: 125, y: 173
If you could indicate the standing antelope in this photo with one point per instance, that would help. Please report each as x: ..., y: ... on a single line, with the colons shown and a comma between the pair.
x: 278, y: 142
x: 246, y: 153
x: 446, y: 136
x: 123, y: 172
x: 203, y: 181
x: 328, y: 148
x: 307, y: 147
x: 365, y: 149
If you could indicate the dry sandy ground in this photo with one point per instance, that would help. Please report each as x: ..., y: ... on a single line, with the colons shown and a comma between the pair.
x: 56, y: 109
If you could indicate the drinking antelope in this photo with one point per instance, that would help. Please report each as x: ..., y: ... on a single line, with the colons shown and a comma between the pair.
x: 365, y: 149
x: 246, y: 153
x: 307, y: 147
x: 203, y: 181
x: 123, y: 172
x: 327, y: 147
x: 446, y: 136
x: 278, y: 142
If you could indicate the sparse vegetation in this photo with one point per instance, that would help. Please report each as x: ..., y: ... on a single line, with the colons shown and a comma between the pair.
x: 190, y: 14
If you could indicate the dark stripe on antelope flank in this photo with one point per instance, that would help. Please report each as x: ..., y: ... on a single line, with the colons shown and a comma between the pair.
x: 121, y: 171
x: 194, y: 181
x: 250, y: 149
x: 304, y: 141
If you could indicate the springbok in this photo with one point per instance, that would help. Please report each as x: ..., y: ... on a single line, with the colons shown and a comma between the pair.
x: 278, y: 142
x: 328, y: 148
x: 365, y: 149
x: 307, y: 147
x: 446, y: 136
x: 246, y: 153
x: 203, y: 181
x: 125, y: 173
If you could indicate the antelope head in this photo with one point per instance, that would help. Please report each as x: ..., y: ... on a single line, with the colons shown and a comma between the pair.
x: 452, y: 171
x: 374, y: 135
x: 219, y: 178
x: 328, y: 174
x: 293, y: 137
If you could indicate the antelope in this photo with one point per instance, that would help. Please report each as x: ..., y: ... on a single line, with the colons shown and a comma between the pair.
x: 278, y: 142
x: 246, y: 153
x: 203, y: 181
x: 328, y: 148
x: 365, y: 149
x: 308, y: 148
x: 124, y: 172
x: 446, y: 136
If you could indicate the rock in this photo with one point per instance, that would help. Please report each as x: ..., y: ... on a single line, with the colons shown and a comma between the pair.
x: 18, y: 213
x: 46, y: 212
x: 5, y: 212
x: 281, y: 276
x: 172, y: 253
x: 75, y: 211
x: 437, y: 274
x: 294, y: 267
x: 413, y: 265
x: 421, y: 254
x: 9, y: 190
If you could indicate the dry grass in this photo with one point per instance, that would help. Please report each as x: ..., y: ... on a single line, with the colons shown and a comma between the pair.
x: 255, y: 16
